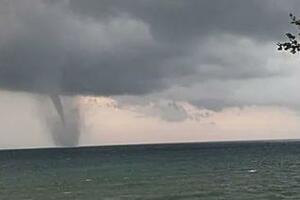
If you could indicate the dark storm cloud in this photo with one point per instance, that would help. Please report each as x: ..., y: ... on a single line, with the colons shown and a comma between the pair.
x: 132, y: 47
x: 185, y: 20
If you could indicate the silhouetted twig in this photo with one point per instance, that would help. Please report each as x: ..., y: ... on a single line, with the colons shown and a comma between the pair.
x: 293, y: 46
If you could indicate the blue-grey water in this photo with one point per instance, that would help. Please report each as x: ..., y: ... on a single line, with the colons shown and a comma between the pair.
x: 239, y: 170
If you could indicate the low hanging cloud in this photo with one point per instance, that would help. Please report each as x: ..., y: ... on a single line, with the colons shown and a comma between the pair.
x: 139, y: 47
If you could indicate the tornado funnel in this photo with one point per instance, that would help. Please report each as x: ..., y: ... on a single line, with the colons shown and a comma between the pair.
x: 58, y: 106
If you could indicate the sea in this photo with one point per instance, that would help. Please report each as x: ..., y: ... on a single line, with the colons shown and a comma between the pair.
x: 216, y: 171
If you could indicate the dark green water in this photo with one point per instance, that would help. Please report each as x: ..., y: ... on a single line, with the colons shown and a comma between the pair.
x: 182, y: 171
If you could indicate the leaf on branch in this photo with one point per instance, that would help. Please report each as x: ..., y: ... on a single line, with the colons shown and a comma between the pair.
x: 292, y: 45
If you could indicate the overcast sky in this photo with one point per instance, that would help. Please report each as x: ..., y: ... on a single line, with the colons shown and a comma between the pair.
x: 149, y: 70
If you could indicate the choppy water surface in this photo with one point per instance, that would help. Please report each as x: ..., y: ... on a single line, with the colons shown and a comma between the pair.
x: 252, y: 170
